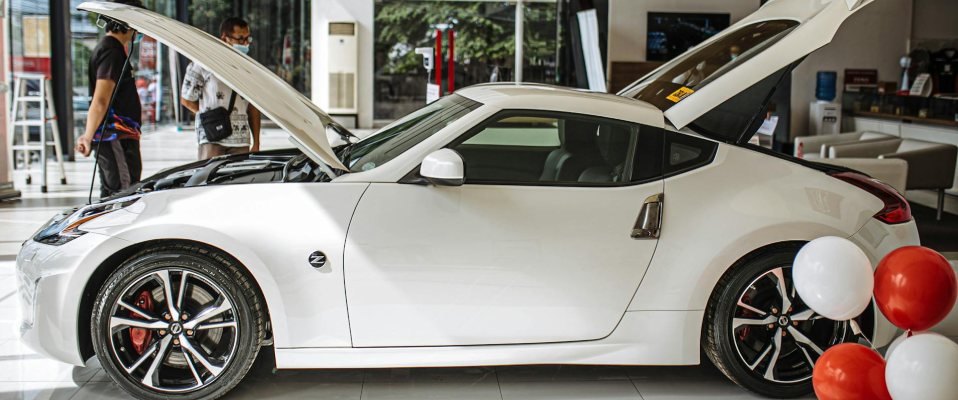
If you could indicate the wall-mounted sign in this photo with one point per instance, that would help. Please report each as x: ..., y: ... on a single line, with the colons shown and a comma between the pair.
x: 856, y: 79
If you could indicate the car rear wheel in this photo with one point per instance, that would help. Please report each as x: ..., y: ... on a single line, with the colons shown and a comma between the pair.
x: 760, y: 333
x: 177, y: 321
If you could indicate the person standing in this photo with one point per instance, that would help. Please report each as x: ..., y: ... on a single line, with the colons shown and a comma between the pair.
x: 202, y: 92
x: 118, y: 156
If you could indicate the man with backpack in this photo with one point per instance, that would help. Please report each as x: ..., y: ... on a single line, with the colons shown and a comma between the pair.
x: 225, y: 122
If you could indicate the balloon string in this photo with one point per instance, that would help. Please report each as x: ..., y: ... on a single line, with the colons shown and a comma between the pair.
x: 857, y: 330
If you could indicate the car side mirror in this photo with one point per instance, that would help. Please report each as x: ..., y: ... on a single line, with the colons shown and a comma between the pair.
x: 443, y: 167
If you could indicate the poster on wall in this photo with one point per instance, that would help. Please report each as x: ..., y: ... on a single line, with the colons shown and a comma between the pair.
x: 36, y: 46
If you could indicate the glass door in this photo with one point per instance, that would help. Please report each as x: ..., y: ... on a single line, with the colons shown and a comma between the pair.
x: 484, y: 47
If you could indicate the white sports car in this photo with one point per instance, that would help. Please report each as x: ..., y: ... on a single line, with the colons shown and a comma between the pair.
x: 503, y: 224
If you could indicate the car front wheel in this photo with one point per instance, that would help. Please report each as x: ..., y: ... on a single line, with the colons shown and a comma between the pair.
x: 760, y: 333
x: 177, y: 321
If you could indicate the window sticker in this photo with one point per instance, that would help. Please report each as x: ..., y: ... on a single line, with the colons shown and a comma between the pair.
x: 680, y: 94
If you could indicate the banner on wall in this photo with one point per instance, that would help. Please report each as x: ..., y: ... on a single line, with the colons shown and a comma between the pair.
x: 36, y: 46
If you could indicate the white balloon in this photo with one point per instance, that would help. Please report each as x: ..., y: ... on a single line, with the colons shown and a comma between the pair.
x: 834, y: 277
x: 923, y: 367
x: 894, y: 344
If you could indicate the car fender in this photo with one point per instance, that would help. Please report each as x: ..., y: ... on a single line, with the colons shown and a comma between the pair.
x: 272, y: 229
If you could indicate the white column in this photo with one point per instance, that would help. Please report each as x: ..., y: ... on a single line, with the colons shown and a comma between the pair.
x: 520, y: 24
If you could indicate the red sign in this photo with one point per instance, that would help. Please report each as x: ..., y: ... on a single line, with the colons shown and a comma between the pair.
x: 31, y: 64
x: 147, y: 53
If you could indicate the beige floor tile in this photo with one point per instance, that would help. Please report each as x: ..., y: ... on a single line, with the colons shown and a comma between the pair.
x: 690, y: 389
x: 20, y: 364
x: 581, y: 390
x: 37, y: 390
x: 101, y: 391
x: 483, y: 390
x: 294, y: 390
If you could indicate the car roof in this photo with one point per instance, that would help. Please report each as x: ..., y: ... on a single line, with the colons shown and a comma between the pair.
x: 536, y: 96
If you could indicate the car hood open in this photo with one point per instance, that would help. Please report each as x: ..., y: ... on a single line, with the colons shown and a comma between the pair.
x: 269, y: 93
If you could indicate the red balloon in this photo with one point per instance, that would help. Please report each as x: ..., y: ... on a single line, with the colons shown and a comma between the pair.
x: 915, y: 287
x: 850, y: 371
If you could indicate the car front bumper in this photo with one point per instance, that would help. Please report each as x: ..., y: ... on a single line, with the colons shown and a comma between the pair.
x: 51, y: 283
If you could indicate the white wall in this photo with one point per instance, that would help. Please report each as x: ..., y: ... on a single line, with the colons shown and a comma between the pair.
x: 935, y: 19
x: 628, y: 21
x: 876, y: 37
x: 360, y: 11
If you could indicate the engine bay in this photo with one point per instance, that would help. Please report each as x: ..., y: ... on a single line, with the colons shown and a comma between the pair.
x: 287, y: 165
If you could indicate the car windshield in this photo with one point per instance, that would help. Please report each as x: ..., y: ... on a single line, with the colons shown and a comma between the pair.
x: 699, y: 67
x: 396, y: 138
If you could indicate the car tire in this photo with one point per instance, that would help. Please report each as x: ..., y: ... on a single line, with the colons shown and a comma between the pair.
x: 747, y: 324
x: 218, y: 302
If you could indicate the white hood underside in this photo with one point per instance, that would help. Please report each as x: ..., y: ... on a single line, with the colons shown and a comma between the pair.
x: 275, y: 98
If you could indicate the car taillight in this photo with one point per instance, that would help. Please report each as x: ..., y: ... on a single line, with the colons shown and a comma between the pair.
x: 896, y: 208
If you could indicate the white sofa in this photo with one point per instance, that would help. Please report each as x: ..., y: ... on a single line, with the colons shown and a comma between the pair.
x: 811, y: 147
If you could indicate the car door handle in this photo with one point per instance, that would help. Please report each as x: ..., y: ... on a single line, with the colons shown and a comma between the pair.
x: 649, y: 223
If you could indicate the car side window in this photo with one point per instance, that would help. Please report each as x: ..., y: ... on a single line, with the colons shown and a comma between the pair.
x: 685, y: 153
x: 547, y: 148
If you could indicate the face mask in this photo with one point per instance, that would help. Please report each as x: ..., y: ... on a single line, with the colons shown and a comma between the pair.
x: 138, y: 38
x: 243, y: 48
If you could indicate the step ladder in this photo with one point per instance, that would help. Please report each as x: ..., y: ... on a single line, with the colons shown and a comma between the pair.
x: 19, y: 118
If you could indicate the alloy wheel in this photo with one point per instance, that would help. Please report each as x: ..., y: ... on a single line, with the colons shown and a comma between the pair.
x: 173, y: 330
x: 777, y: 336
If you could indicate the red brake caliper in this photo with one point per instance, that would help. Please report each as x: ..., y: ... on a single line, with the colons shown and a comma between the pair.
x: 141, y: 337
x: 742, y: 334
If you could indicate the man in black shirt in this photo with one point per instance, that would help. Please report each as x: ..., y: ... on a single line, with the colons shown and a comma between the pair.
x: 118, y: 156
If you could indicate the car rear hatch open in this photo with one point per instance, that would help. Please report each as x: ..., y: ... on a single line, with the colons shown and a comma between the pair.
x: 777, y: 36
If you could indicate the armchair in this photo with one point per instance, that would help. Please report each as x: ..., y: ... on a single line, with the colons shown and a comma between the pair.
x: 930, y: 165
x: 817, y: 146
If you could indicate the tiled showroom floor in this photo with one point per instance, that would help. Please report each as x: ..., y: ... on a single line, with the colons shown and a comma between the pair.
x: 25, y: 375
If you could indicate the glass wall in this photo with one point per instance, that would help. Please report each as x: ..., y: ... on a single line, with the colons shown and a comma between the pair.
x: 484, y: 47
x: 280, y: 30
x: 30, y: 36
x: 151, y: 64
x: 29, y: 52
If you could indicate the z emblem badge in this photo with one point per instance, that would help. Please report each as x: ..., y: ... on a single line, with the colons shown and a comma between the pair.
x: 317, y: 259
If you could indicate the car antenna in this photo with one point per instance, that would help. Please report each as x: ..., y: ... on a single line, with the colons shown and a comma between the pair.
x: 109, y: 108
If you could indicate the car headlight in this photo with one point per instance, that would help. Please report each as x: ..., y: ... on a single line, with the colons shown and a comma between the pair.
x: 65, y: 226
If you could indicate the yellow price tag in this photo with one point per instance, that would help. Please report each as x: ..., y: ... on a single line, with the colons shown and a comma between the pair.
x: 680, y: 94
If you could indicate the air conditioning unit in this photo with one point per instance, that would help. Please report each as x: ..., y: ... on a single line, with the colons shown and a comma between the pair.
x: 342, y: 68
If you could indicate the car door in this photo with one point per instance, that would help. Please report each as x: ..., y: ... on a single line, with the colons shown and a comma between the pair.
x: 513, y: 255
